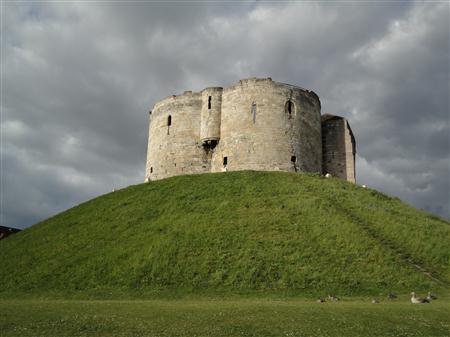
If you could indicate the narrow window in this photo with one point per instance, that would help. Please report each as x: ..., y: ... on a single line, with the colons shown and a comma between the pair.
x: 209, y: 102
x: 293, y: 159
x: 225, y: 161
x: 254, y: 112
x: 169, y: 120
x: 289, y: 108
x: 151, y: 169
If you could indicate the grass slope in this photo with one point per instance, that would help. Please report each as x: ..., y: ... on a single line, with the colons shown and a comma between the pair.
x: 233, y: 233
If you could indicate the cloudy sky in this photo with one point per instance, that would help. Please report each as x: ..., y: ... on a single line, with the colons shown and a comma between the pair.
x: 78, y: 79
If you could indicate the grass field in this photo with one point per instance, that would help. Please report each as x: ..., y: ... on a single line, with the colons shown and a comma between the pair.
x: 233, y: 254
x: 239, y: 317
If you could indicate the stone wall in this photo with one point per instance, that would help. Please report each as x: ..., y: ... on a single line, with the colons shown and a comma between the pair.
x: 174, y: 145
x: 338, y: 148
x: 257, y: 124
x: 260, y: 132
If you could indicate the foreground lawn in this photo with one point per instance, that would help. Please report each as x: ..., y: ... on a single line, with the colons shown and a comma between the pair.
x: 39, y: 318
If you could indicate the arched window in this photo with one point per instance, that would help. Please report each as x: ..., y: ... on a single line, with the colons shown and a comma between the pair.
x: 254, y: 112
x: 169, y: 120
x: 290, y: 109
x: 151, y: 169
x: 209, y: 102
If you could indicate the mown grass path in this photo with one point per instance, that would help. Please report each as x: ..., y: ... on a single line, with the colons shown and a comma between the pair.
x: 402, y: 256
x: 239, y: 317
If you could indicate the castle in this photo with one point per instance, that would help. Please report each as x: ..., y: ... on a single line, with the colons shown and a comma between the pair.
x: 257, y: 124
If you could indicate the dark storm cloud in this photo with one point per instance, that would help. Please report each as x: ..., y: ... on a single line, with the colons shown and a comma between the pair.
x: 79, y: 79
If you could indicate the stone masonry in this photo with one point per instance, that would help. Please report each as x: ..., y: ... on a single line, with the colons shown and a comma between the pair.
x: 257, y: 124
x: 339, y: 148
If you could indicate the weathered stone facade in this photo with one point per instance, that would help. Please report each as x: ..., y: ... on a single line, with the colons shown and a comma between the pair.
x: 257, y: 124
x: 339, y: 148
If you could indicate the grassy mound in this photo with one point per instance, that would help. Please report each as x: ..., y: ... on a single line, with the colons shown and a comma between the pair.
x: 238, y: 232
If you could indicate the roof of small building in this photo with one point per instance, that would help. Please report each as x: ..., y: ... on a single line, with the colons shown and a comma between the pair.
x: 9, y: 229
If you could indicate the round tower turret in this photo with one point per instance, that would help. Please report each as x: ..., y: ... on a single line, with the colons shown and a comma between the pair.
x: 211, y: 116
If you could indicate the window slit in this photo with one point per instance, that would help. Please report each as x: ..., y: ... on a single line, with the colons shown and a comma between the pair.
x: 169, y: 123
x: 289, y: 109
x: 254, y: 112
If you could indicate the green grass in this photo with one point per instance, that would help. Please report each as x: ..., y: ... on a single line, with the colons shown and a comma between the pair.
x: 218, y: 318
x: 254, y: 234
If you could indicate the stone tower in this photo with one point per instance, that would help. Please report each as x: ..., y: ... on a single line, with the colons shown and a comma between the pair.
x: 339, y: 147
x: 257, y: 124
